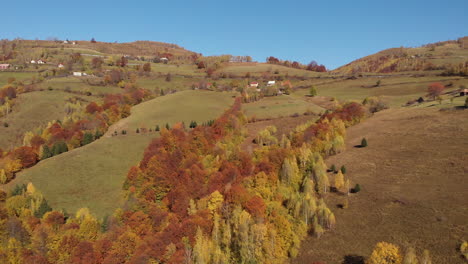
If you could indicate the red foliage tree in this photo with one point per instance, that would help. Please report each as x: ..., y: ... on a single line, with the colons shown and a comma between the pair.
x: 313, y: 66
x: 83, y: 253
x: 54, y: 219
x: 92, y: 108
x: 256, y: 206
x: 296, y: 65
x: 26, y: 155
x: 96, y: 63
x: 201, y: 65
x: 435, y: 89
x: 272, y: 60
x: 37, y: 141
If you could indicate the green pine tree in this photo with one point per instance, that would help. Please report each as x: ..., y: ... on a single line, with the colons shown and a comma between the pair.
x: 313, y: 91
x: 343, y: 169
x: 364, y: 142
x: 43, y: 208
x: 87, y: 138
x: 46, y: 152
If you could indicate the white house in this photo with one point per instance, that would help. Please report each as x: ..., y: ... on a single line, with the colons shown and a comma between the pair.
x: 271, y: 83
x: 33, y: 62
x: 60, y: 66
x: 41, y: 62
x: 79, y: 74
x: 65, y: 42
x: 4, y: 66
x: 254, y: 84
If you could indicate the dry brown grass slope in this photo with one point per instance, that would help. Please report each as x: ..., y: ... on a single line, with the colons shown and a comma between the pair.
x: 414, y: 187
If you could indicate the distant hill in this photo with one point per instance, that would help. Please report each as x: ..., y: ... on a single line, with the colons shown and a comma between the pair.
x: 18, y: 51
x: 436, y: 56
x: 138, y: 48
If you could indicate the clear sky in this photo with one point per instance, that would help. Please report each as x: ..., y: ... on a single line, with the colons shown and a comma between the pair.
x: 331, y: 32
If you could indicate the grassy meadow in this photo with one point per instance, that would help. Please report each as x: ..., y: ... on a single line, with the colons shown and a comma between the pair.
x: 33, y: 110
x: 77, y: 84
x: 396, y: 90
x: 19, y: 76
x: 280, y: 106
x: 257, y: 69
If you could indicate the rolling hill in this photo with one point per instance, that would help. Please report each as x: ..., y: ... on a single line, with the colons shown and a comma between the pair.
x: 436, y: 56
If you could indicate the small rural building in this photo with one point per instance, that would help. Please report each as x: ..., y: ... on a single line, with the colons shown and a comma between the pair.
x: 4, y: 66
x: 164, y: 59
x: 271, y: 83
x: 79, y: 74
x: 33, y: 62
x: 65, y: 42
x: 463, y: 92
x: 254, y: 84
x: 41, y: 62
x: 61, y: 66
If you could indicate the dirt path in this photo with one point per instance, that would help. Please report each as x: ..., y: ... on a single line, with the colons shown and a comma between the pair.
x: 414, y: 188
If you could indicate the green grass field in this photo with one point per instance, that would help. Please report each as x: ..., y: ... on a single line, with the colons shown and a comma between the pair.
x: 77, y: 84
x: 278, y: 106
x: 256, y: 69
x: 178, y: 83
x: 395, y: 90
x: 32, y: 110
x: 20, y: 76
x: 92, y: 176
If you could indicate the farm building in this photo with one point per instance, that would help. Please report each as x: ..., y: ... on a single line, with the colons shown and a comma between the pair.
x: 4, y: 66
x: 41, y: 62
x: 33, y: 62
x: 60, y: 66
x: 79, y: 74
x: 271, y: 83
x: 254, y: 84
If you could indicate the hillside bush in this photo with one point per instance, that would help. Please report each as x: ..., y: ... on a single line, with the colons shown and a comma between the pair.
x: 364, y: 143
x: 357, y: 188
x: 343, y: 169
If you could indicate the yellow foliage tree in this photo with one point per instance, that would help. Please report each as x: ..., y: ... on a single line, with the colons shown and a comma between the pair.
x: 410, y: 257
x: 30, y: 189
x: 215, y: 201
x: 339, y: 180
x: 385, y: 253
x: 13, y: 166
x: 3, y: 176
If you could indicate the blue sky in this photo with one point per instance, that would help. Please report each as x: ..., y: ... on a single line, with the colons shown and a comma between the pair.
x: 331, y: 32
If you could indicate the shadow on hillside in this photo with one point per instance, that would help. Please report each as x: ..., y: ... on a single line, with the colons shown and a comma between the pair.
x: 353, y: 259
x: 358, y: 146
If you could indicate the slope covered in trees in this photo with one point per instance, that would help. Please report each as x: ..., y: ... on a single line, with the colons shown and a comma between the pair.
x: 197, y: 198
x: 451, y: 57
